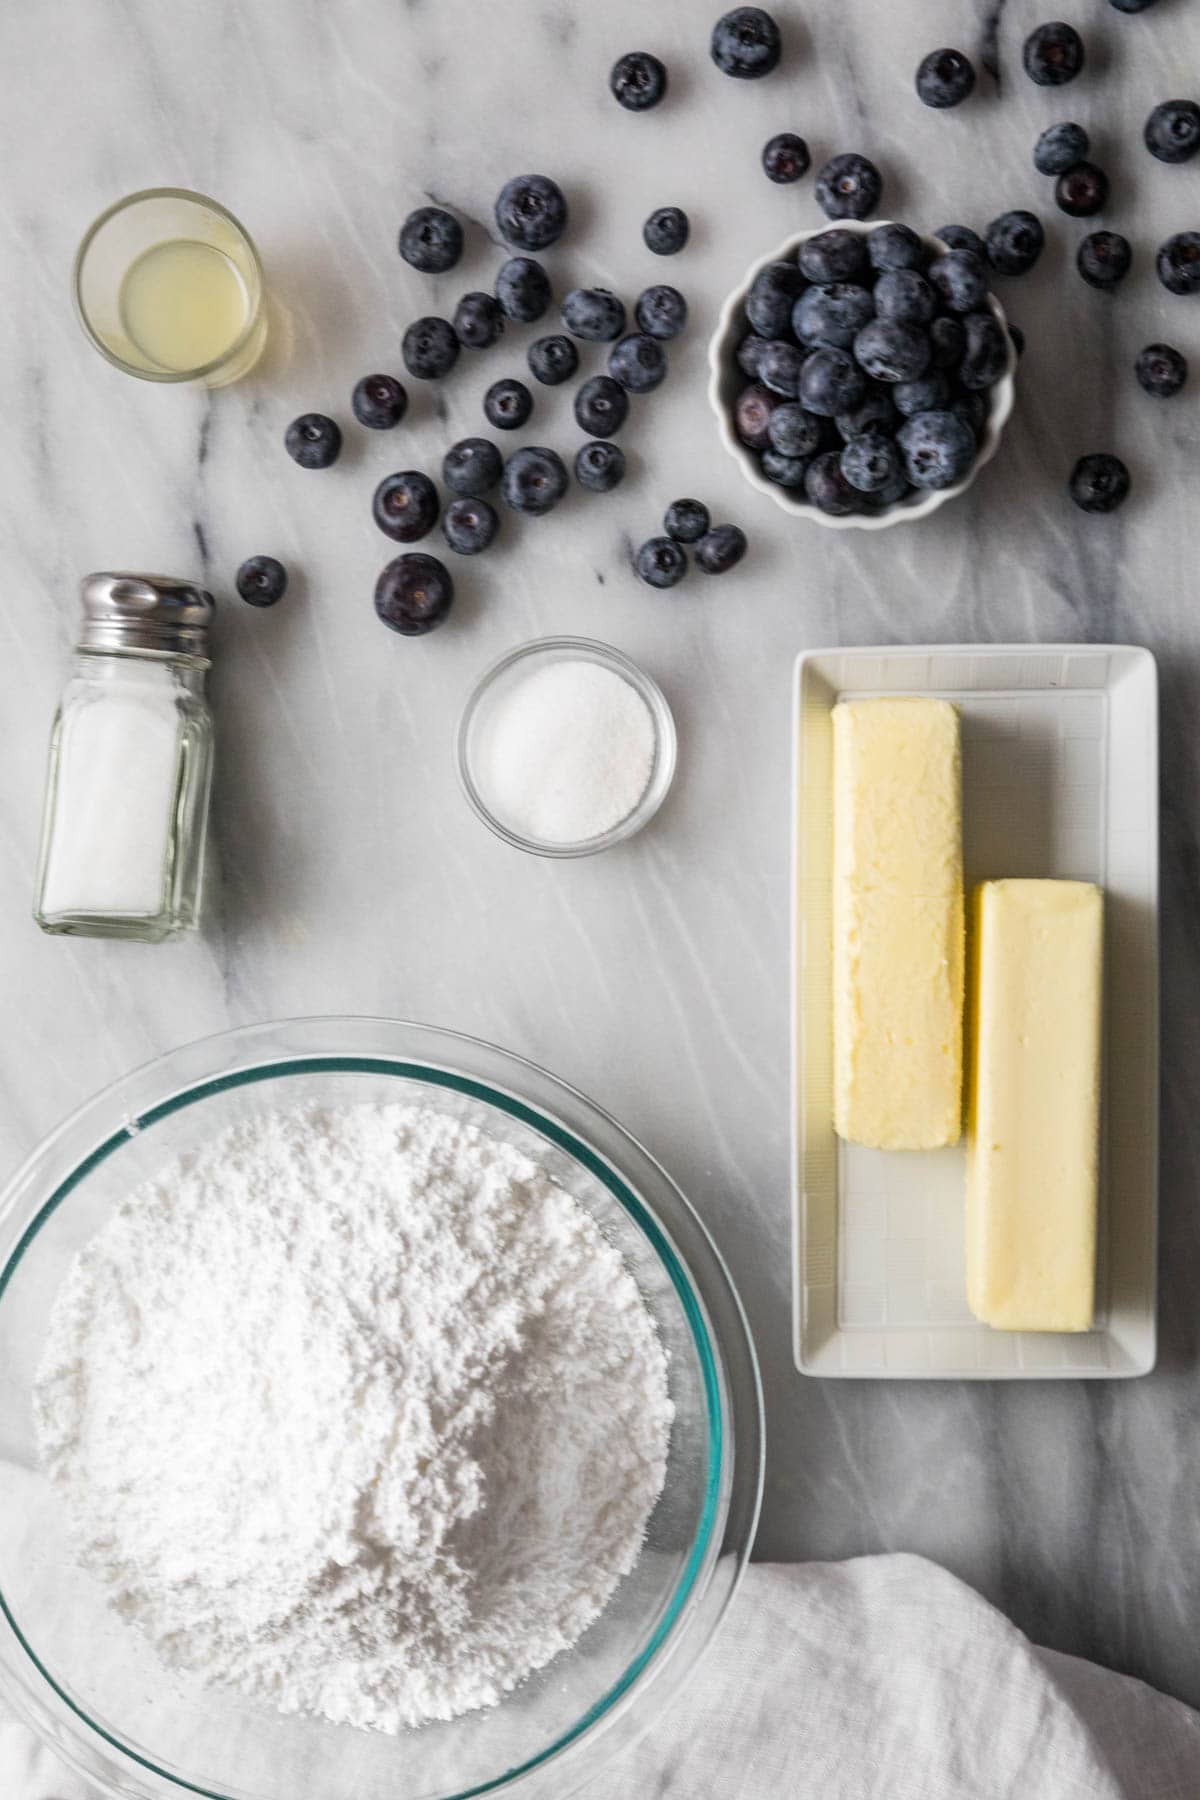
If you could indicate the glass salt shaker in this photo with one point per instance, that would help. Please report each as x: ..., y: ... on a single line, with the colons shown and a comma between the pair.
x: 130, y: 765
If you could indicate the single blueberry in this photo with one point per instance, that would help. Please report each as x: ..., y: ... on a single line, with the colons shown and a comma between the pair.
x: 985, y: 357
x: 904, y: 294
x: 1103, y: 258
x: 1081, y: 190
x: 780, y: 368
x: 1172, y: 132
x: 535, y: 479
x: 660, y: 562
x: 472, y: 466
x: 313, y: 440
x: 431, y: 240
x: 849, y: 187
x: 429, y: 348
x: 405, y: 505
x: 749, y: 353
x: 1161, y: 370
x: 876, y: 408
x: 686, y: 520
x: 639, y: 363
x: 961, y: 237
x: 414, y: 593
x: 826, y: 486
x: 600, y: 406
x: 969, y: 405
x: 784, y: 471
x: 531, y: 212
x: 892, y: 246
x: 600, y: 467
x: 661, y: 311
x: 1053, y: 54
x: 1060, y: 147
x: 832, y: 315
x: 523, y: 289
x: 927, y: 394
x: 836, y: 255
x: 1099, y: 483
x: 945, y: 78
x: 720, y: 549
x: 794, y: 432
x: 885, y: 497
x: 772, y: 294
x: 752, y: 415
x: 596, y: 314
x: 469, y: 526
x: 552, y: 359
x: 666, y: 230
x: 1014, y: 242
x: 638, y: 80
x: 745, y: 43
x: 478, y: 321
x: 960, y: 278
x: 948, y: 339
x: 889, y: 350
x: 1178, y: 263
x: 507, y: 404
x: 871, y: 461
x: 379, y: 402
x: 938, y: 449
x: 262, y: 580
x: 831, y: 381
x: 785, y: 157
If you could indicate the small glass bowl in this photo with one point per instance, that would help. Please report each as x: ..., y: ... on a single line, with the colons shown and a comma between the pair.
x: 515, y: 665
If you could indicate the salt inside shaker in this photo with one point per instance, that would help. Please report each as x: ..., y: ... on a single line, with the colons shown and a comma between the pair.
x: 130, y: 765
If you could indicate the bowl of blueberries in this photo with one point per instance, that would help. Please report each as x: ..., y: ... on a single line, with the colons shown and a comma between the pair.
x: 862, y: 374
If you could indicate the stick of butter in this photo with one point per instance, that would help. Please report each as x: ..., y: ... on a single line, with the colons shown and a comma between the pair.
x: 897, y: 923
x: 1034, y: 1108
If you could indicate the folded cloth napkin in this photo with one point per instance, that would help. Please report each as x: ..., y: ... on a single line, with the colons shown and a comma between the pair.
x: 884, y: 1678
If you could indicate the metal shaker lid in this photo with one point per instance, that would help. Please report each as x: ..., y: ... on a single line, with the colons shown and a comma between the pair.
x: 125, y: 611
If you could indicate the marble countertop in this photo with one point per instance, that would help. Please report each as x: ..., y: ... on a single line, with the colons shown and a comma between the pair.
x: 349, y: 875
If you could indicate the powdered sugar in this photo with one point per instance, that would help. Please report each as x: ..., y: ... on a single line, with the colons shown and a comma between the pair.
x: 355, y: 1410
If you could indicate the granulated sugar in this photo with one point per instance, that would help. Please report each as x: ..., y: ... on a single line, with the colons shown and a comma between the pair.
x: 355, y: 1410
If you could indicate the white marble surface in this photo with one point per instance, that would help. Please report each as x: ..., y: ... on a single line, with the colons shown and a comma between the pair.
x: 350, y: 876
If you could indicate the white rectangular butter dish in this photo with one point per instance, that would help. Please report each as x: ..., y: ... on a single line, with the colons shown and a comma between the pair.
x: 1060, y: 778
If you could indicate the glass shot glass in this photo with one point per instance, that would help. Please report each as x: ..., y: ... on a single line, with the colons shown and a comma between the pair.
x: 169, y: 287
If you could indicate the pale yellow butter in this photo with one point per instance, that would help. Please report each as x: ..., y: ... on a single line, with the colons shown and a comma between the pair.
x: 1033, y: 1115
x: 897, y: 923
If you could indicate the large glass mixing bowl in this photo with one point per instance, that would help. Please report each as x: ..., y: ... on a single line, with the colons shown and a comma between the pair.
x: 92, y: 1686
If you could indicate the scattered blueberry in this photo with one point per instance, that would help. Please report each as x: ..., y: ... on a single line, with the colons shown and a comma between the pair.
x: 826, y: 486
x: 793, y: 432
x: 960, y: 278
x: 469, y: 525
x: 1014, y: 242
x: 720, y: 548
x: 945, y: 78
x: 938, y: 449
x: 639, y: 363
x: 784, y: 471
x: 752, y: 415
x: 785, y: 157
x: 1161, y: 370
x: 507, y: 404
x: 472, y: 466
x: 405, y: 505
x: 431, y: 240
x: 661, y: 311
x: 1178, y: 263
x: 849, y: 187
x: 531, y: 212
x: 429, y: 348
x: 1099, y: 483
x: 596, y: 314
x: 638, y: 80
x: 772, y: 294
x: 929, y: 393
x: 1172, y: 132
x: 600, y: 406
x: 1059, y: 148
x: 831, y: 381
x: 745, y: 43
x: 523, y: 289
x: 666, y: 230
x: 1053, y: 54
x: 904, y: 294
x: 1103, y: 258
x: 313, y: 441
x: 262, y: 580
x: 961, y: 237
x: 686, y: 520
x: 749, y: 353
x: 889, y: 350
x: 661, y: 562
x: 600, y: 467
x: 1081, y: 190
x: 1131, y: 6
x: 535, y: 479
x: 894, y: 246
x: 871, y: 461
x: 835, y: 255
x: 552, y: 359
x: 948, y: 338
x: 478, y: 321
x: 379, y: 402
x: 985, y: 357
x: 414, y: 593
x: 876, y: 408
x: 833, y: 314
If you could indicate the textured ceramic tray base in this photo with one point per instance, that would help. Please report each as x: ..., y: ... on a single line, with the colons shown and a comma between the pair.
x: 1060, y: 778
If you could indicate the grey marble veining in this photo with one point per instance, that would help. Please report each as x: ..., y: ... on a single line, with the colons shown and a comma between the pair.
x: 350, y: 876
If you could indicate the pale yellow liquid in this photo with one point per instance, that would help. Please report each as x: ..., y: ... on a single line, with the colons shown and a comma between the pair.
x: 183, y: 304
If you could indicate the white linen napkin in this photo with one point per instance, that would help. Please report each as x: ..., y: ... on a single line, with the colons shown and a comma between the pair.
x: 884, y: 1678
